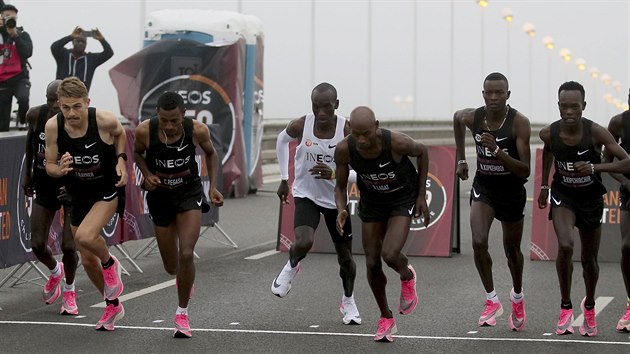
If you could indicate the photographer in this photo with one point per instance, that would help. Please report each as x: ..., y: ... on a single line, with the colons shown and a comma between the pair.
x: 75, y: 61
x: 15, y: 48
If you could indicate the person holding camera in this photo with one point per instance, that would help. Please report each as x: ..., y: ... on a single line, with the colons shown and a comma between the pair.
x: 15, y: 48
x: 75, y: 61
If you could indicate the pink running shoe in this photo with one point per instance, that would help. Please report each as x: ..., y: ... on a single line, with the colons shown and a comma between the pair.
x: 408, y: 294
x: 589, y: 326
x: 69, y: 304
x: 564, y: 323
x: 624, y: 322
x: 110, y: 316
x: 52, y: 289
x: 386, y: 328
x: 518, y: 318
x: 113, y: 282
x: 182, y: 328
x: 490, y: 313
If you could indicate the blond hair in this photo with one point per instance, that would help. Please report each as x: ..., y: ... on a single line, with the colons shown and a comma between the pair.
x: 72, y: 87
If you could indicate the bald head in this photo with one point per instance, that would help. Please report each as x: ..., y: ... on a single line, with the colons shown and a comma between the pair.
x: 52, y: 87
x: 362, y: 118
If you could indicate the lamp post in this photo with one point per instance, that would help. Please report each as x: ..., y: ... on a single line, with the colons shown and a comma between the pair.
x: 606, y: 81
x: 565, y: 54
x: 530, y: 31
x: 616, y: 85
x: 581, y: 64
x: 595, y: 75
x: 549, y: 44
x: 508, y: 16
x: 482, y: 4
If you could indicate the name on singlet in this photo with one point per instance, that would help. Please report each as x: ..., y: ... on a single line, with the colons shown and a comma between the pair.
x: 492, y: 168
x: 172, y: 163
x: 577, y: 180
x: 84, y: 174
x: 172, y: 182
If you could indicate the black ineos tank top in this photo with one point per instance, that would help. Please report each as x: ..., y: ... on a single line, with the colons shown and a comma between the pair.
x: 175, y: 162
x: 491, y: 174
x: 38, y: 144
x: 383, y: 181
x: 93, y: 161
x: 566, y: 179
x: 625, y: 137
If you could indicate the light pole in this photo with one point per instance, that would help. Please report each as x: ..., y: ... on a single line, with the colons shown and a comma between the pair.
x: 606, y: 81
x: 549, y: 44
x: 530, y: 31
x: 595, y: 75
x: 508, y: 16
x: 565, y: 54
x: 482, y: 5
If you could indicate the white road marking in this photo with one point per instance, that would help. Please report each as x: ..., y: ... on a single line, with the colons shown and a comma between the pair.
x: 262, y: 255
x: 234, y: 324
x: 600, y: 303
x: 138, y: 293
x: 369, y: 335
x: 547, y: 334
x: 80, y: 316
x: 158, y: 321
x: 472, y: 332
x: 313, y: 326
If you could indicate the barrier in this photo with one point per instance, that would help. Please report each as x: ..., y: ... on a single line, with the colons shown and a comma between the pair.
x: 544, y: 244
x: 439, y: 239
x: 15, y: 209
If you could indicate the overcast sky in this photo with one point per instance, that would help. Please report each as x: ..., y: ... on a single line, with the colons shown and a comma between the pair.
x: 392, y: 55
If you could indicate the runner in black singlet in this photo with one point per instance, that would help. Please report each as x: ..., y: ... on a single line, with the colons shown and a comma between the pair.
x: 574, y: 145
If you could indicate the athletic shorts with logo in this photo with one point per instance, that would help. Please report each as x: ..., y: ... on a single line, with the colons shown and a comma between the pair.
x: 49, y: 198
x: 81, y: 207
x: 164, y: 204
x: 307, y: 213
x: 588, y: 212
x: 382, y: 212
x: 507, y: 207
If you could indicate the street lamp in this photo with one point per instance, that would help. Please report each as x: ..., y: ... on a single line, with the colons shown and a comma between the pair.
x: 508, y: 16
x: 595, y: 75
x: 581, y: 64
x: 548, y: 43
x: 530, y: 31
x: 565, y: 54
x: 606, y: 79
x: 617, y: 86
x: 482, y: 4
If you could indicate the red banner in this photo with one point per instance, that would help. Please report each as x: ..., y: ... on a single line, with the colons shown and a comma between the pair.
x: 544, y: 245
x: 434, y: 240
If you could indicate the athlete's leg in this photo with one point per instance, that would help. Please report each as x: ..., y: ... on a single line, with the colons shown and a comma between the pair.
x: 166, y: 237
x: 625, y: 249
x: 563, y: 222
x: 70, y: 257
x: 590, y: 248
x: 512, y: 236
x: 92, y: 266
x: 188, y: 225
x: 481, y: 217
x: 41, y: 219
x: 304, y: 237
x: 347, y: 266
x: 372, y: 237
x: 393, y: 242
x: 88, y: 235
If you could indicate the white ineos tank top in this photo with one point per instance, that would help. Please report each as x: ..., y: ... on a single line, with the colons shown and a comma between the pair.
x: 311, y: 150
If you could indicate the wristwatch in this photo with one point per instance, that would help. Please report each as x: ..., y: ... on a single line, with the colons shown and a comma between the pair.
x: 123, y: 155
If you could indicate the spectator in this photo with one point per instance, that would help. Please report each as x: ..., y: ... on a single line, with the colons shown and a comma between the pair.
x: 15, y: 48
x: 75, y: 61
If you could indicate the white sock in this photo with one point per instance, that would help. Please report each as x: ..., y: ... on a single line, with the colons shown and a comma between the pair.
x: 68, y: 287
x: 288, y: 265
x: 344, y: 298
x: 57, y: 271
x: 492, y: 296
x: 516, y: 297
x: 181, y: 311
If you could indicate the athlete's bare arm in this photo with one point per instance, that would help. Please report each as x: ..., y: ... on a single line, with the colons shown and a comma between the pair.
x: 342, y: 160
x: 547, y: 160
x: 201, y: 137
x: 522, y: 132
x: 140, y: 146
x: 29, y: 154
x: 601, y: 136
x: 615, y: 128
x: 462, y: 119
x: 293, y: 131
x: 112, y: 132
x: 55, y: 167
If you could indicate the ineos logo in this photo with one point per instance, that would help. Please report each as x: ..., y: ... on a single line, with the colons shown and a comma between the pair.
x: 24, y: 209
x: 436, y: 201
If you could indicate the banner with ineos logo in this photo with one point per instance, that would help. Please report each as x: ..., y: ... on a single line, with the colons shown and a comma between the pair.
x: 434, y: 240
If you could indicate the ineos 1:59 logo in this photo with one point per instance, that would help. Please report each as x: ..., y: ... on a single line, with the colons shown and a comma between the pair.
x: 436, y: 201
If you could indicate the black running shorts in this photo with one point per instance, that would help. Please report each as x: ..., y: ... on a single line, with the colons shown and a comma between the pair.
x: 164, y: 204
x: 307, y: 213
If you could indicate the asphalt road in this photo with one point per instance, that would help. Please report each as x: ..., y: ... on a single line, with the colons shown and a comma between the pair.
x: 233, y: 310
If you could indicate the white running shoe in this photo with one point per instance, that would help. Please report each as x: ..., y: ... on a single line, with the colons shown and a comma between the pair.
x: 349, y: 311
x: 282, y: 283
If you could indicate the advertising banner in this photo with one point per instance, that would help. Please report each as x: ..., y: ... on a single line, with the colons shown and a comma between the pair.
x: 434, y: 240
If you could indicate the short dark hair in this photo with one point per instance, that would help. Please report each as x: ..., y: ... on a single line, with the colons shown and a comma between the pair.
x: 497, y: 76
x: 8, y: 7
x: 572, y: 86
x: 170, y: 100
x: 323, y: 87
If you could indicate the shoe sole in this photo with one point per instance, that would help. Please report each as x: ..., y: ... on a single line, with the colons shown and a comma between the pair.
x: 388, y: 338
x: 180, y: 334
x: 65, y: 312
x: 566, y: 331
x: 492, y: 321
x: 55, y: 296
x: 118, y: 317
x: 513, y: 327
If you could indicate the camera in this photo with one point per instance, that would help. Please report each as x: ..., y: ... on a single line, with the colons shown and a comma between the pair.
x: 87, y: 34
x: 9, y: 22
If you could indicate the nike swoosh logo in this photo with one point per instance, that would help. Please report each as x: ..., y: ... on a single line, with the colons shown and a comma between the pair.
x: 384, y: 164
x: 90, y: 145
x: 181, y: 148
x: 275, y: 284
x: 111, y: 196
x: 477, y: 195
x: 501, y: 139
x: 332, y: 146
x: 199, y: 203
x: 583, y: 152
x: 410, y: 211
x: 558, y: 202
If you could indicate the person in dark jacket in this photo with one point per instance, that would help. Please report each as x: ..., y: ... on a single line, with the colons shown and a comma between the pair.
x: 15, y: 49
x: 75, y: 61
